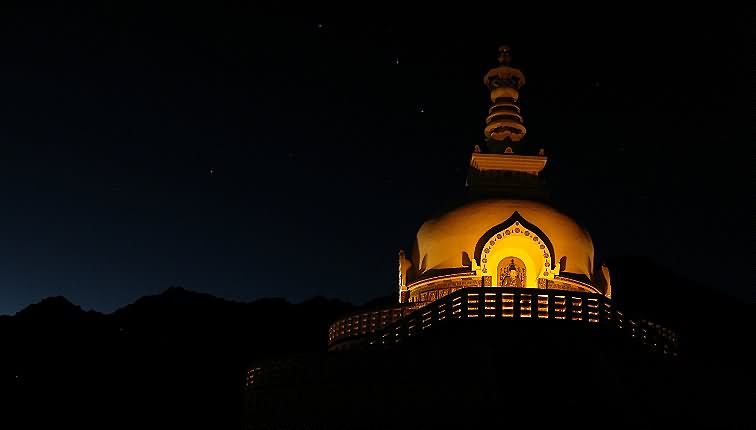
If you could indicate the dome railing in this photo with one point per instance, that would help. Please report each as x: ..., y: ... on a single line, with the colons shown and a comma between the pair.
x: 363, y: 322
x: 500, y: 303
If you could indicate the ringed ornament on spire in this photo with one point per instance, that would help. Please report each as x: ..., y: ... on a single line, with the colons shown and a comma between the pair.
x: 504, y: 122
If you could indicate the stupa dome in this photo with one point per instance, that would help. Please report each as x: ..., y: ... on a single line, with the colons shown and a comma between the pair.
x: 483, y: 233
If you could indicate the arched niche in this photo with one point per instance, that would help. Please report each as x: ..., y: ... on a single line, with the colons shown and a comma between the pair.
x: 516, y: 238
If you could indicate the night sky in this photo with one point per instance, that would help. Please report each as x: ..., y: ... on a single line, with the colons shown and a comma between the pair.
x: 248, y: 155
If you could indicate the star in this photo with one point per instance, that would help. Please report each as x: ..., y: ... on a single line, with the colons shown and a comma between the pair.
x: 212, y: 171
x: 396, y: 61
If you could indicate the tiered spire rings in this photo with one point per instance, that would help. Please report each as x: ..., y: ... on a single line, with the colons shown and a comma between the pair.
x: 504, y: 122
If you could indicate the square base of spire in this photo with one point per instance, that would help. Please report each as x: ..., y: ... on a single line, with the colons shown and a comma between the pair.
x: 506, y: 175
x: 529, y: 164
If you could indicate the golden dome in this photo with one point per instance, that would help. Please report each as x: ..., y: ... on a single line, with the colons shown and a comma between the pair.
x: 478, y: 236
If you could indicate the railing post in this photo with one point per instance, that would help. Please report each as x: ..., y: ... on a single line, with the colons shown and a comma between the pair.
x: 550, y: 297
x: 516, y: 304
x: 497, y: 305
x: 464, y: 302
x: 434, y: 314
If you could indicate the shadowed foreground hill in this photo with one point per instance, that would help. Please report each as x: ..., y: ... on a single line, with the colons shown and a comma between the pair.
x: 177, y: 359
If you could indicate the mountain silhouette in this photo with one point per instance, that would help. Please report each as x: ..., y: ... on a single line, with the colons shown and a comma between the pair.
x: 56, y: 308
x: 175, y: 359
x: 178, y: 358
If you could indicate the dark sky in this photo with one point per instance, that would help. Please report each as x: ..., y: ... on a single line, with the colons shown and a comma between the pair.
x: 249, y: 155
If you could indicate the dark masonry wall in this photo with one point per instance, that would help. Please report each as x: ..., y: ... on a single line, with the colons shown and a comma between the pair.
x: 501, y: 373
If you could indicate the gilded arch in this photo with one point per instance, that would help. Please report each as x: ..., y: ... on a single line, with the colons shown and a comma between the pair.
x: 515, y: 221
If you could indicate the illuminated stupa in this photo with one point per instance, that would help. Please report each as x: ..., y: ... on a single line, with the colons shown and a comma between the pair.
x: 505, y: 253
x: 503, y: 317
x: 505, y: 236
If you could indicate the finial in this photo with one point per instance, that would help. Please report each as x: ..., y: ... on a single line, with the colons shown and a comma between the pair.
x: 504, y: 122
x: 504, y: 75
x: 505, y: 55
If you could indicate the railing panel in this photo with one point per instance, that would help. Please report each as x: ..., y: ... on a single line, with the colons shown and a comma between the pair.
x: 473, y: 304
x: 507, y: 305
x: 526, y: 305
x: 543, y: 306
x: 558, y: 307
x: 392, y: 325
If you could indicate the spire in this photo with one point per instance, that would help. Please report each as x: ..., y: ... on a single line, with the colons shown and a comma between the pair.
x: 500, y: 167
x: 504, y: 123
